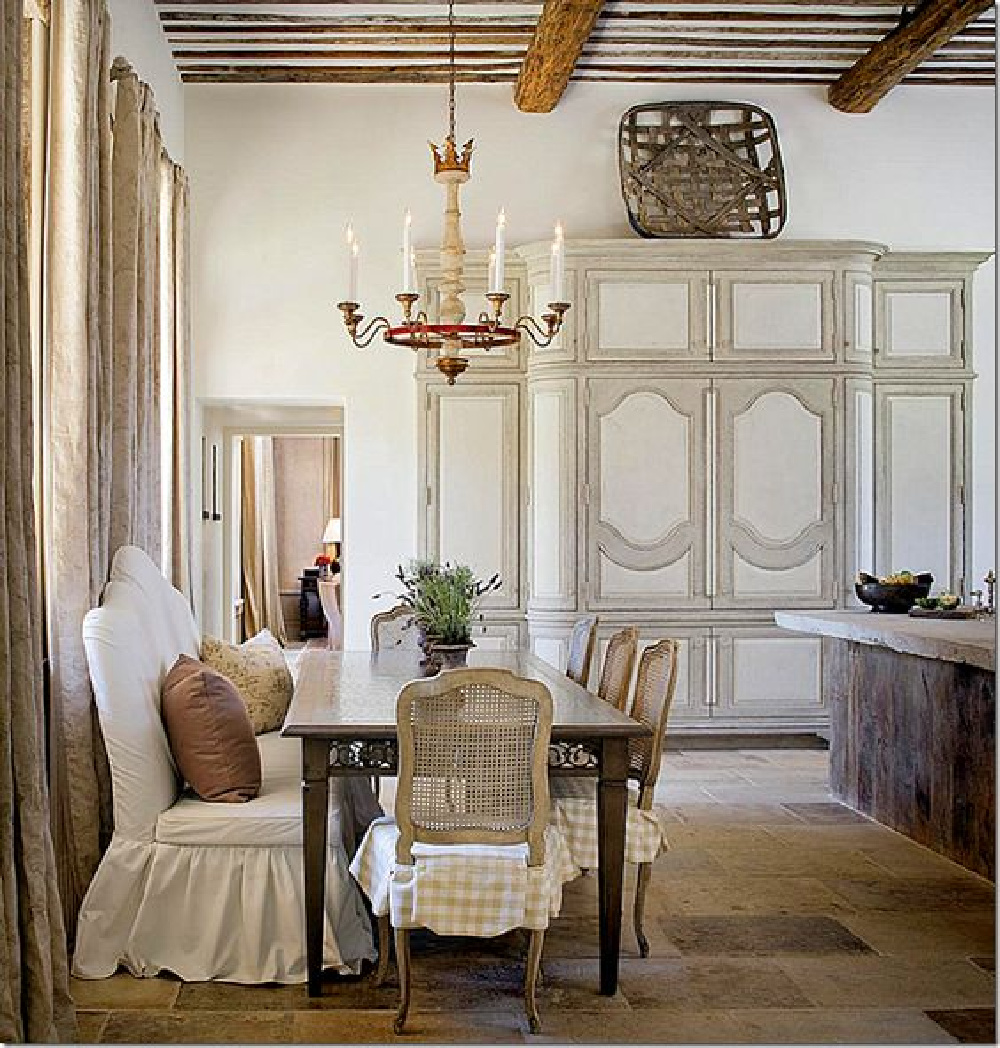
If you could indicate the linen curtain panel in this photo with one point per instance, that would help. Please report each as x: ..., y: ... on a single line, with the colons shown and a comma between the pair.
x: 259, y: 543
x: 104, y: 481
x: 34, y: 997
x: 331, y: 477
x: 77, y: 419
x: 177, y: 331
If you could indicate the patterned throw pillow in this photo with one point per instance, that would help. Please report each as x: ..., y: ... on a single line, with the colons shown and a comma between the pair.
x: 258, y: 669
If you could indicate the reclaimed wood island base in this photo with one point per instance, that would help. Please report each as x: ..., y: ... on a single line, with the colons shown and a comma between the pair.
x: 912, y: 725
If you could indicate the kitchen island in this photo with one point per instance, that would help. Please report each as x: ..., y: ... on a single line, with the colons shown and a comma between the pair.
x: 912, y: 724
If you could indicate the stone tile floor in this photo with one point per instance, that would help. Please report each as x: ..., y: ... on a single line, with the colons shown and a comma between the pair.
x: 777, y: 916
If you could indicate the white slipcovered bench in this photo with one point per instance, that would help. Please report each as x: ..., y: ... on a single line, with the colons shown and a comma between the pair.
x: 203, y: 890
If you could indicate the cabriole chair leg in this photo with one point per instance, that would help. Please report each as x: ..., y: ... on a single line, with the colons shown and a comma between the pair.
x: 403, y: 967
x: 531, y: 979
x: 641, y: 883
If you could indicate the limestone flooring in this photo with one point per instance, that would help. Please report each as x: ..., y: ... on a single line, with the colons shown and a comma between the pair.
x: 777, y: 916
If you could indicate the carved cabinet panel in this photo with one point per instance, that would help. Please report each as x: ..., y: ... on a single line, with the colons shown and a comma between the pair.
x: 645, y: 493
x: 920, y: 323
x: 774, y: 490
x: 472, y: 504
x: 766, y: 677
x: 774, y: 315
x: 647, y: 315
x: 552, y: 496
x: 920, y: 490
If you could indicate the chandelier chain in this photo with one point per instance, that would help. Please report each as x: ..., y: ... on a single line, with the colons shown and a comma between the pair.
x: 451, y: 68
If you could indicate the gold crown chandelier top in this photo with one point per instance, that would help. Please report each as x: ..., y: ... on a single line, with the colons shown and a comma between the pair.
x: 451, y: 338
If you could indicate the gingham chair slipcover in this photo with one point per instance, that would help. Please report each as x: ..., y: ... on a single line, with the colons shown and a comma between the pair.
x: 470, y: 851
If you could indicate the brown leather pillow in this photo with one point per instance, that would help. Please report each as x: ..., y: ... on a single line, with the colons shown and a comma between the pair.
x: 210, y: 734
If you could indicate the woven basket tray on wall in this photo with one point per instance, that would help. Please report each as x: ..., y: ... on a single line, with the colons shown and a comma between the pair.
x: 701, y: 169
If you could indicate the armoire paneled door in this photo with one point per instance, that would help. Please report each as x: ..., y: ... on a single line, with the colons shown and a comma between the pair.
x: 720, y: 430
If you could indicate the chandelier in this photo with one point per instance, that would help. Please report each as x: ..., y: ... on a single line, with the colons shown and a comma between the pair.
x: 452, y: 338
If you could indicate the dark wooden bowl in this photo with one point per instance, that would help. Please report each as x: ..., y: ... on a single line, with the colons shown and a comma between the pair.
x: 893, y: 598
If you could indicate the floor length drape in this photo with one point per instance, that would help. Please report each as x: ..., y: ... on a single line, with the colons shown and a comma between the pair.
x: 259, y: 544
x: 34, y: 997
x: 105, y: 486
x: 177, y: 328
x: 77, y: 422
x: 136, y: 503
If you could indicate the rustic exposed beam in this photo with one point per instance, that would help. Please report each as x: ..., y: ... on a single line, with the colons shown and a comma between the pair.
x: 312, y: 3
x: 235, y: 74
x: 248, y: 21
x: 820, y: 17
x: 260, y: 56
x: 562, y: 30
x: 313, y: 74
x: 873, y: 76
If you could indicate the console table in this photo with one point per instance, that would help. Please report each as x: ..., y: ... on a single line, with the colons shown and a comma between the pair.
x: 312, y: 621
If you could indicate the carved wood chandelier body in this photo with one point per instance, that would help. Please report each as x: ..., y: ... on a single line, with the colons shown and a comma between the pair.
x: 452, y: 338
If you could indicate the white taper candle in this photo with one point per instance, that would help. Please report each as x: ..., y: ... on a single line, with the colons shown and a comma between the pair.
x: 558, y: 273
x: 352, y: 272
x: 499, y: 249
x: 407, y: 254
x: 352, y: 279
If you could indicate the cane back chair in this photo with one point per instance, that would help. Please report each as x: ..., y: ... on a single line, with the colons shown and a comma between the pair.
x: 395, y: 628
x: 574, y: 800
x: 617, y: 668
x: 581, y: 649
x: 470, y: 851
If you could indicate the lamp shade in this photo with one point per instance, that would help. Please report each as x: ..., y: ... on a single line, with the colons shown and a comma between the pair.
x: 332, y: 530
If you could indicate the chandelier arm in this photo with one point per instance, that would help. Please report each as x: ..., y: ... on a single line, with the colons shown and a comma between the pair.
x: 540, y: 336
x: 369, y: 332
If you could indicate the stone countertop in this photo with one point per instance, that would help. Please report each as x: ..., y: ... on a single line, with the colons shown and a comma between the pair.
x: 971, y: 641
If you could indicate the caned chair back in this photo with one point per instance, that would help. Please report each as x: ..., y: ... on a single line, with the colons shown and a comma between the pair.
x: 616, y: 671
x: 581, y: 649
x: 395, y: 628
x: 654, y: 691
x: 473, y: 756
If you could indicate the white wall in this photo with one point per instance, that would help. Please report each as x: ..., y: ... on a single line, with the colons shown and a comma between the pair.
x: 137, y: 36
x: 278, y: 170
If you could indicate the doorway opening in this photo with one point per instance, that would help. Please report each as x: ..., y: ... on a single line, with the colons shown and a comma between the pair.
x: 276, y: 473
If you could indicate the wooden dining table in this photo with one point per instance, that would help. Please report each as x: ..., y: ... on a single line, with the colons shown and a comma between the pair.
x: 344, y: 711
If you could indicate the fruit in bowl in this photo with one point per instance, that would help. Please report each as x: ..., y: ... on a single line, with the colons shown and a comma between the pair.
x: 948, y: 601
x: 893, y: 594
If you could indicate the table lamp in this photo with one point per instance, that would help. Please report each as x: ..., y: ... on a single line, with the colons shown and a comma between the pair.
x: 331, y: 537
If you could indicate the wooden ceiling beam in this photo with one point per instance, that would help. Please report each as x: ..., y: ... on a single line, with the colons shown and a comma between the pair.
x: 562, y: 30
x: 249, y: 74
x: 874, y: 75
x: 260, y: 56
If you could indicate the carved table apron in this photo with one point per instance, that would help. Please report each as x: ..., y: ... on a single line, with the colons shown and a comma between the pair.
x: 344, y: 710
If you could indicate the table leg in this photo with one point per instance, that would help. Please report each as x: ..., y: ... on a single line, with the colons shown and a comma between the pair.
x: 611, y: 813
x: 315, y: 806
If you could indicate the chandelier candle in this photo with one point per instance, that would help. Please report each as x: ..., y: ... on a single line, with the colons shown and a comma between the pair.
x: 407, y: 254
x: 557, y: 270
x: 352, y: 264
x: 498, y: 250
x: 447, y: 341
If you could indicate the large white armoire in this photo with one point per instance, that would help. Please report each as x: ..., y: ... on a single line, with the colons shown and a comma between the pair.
x: 721, y: 429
